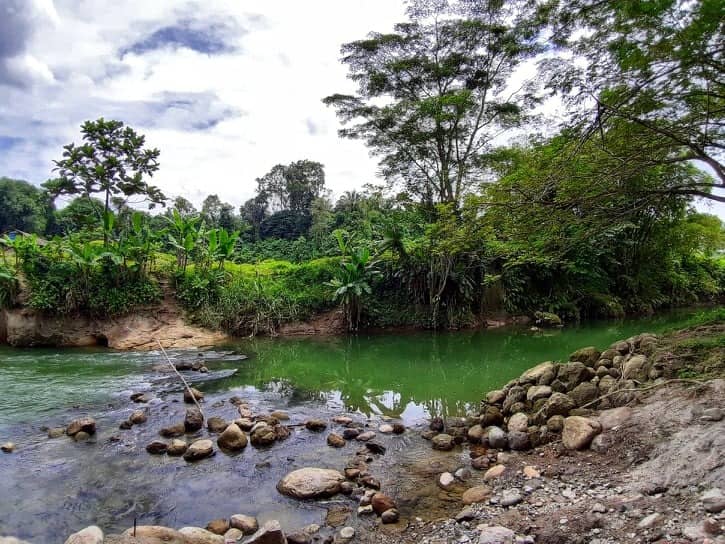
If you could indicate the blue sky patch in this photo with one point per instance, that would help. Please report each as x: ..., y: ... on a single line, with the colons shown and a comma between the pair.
x: 6, y: 142
x: 207, y: 37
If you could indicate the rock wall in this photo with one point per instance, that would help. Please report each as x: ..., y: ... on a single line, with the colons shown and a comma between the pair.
x: 27, y: 328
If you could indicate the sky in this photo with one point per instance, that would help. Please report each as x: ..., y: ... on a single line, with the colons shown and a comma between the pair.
x: 225, y: 89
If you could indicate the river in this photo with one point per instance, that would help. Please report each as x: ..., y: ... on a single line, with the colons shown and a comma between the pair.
x: 51, y: 488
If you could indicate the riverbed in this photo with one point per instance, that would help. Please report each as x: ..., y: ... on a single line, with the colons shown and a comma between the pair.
x: 51, y: 488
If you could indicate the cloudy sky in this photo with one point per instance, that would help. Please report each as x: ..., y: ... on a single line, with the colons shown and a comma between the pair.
x: 225, y: 89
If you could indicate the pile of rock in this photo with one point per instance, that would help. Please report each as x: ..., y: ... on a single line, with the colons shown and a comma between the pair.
x: 553, y: 399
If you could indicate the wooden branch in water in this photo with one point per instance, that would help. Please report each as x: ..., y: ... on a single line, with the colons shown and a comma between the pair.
x: 168, y: 360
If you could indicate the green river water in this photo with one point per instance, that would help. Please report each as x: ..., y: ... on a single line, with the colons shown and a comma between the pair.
x: 53, y: 487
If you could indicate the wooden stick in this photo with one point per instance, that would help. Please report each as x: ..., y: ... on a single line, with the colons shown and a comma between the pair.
x: 637, y: 389
x: 168, y: 360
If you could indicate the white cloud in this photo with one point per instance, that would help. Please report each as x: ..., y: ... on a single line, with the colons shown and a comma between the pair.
x: 220, y: 119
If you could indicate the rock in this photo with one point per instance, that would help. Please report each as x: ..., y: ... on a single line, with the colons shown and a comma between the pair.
x: 157, y: 447
x: 531, y: 472
x: 579, y: 432
x: 270, y: 533
x: 156, y: 534
x: 84, y: 424
x: 218, y: 526
x: 375, y: 447
x: 308, y: 483
x: 398, y: 428
x: 199, y: 450
x: 649, y: 521
x: 497, y: 438
x: 462, y: 474
x: 518, y: 441
x: 8, y: 447
x: 316, y: 425
x: 475, y: 434
x: 233, y: 438
x: 347, y: 533
x: 589, y: 356
x: 56, y: 432
x: 436, y: 424
x: 194, y: 394
x: 177, y: 447
x: 232, y: 535
x: 584, y: 393
x: 12, y: 540
x: 510, y: 497
x: 89, y: 535
x: 81, y: 436
x: 364, y: 437
x: 547, y: 319
x: 518, y: 422
x: 197, y: 535
x: 366, y: 510
x: 615, y: 417
x: 601, y: 443
x: 280, y: 415
x: 385, y: 428
x: 636, y: 368
x: 516, y: 395
x: 712, y: 414
x: 495, y: 397
x: 140, y: 397
x: 335, y: 440
x: 467, y: 514
x: 246, y: 524
x: 138, y: 417
x: 496, y: 535
x: 299, y: 537
x: 194, y: 420
x: 244, y: 424
x: 558, y: 404
x: 281, y: 432
x: 263, y: 435
x: 216, y: 424
x: 713, y: 500
x: 574, y: 373
x: 479, y: 493
x: 382, y: 502
x: 491, y: 416
x: 533, y: 375
x: 173, y: 431
x: 537, y: 392
x: 342, y: 420
x: 481, y: 463
x: 443, y: 442
x: 125, y: 425
x: 494, y: 472
x: 446, y: 481
x: 350, y: 434
x: 555, y: 424
x: 390, y: 516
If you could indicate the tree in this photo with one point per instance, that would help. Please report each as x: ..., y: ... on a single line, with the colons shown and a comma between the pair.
x: 24, y: 207
x: 433, y: 94
x: 112, y: 161
x: 292, y: 187
x: 657, y: 65
x: 184, y: 207
x: 218, y: 214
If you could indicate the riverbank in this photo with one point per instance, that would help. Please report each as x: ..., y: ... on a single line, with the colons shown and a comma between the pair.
x: 403, y: 465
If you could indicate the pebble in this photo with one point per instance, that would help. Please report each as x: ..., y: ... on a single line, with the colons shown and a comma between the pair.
x: 446, y: 480
x: 347, y: 533
x: 649, y: 521
x: 494, y: 472
x: 386, y: 428
x: 8, y: 447
x: 510, y: 497
x: 390, y: 516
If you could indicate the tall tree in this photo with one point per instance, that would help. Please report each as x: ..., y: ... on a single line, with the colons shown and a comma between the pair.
x: 292, y: 186
x: 112, y: 161
x: 218, y: 214
x: 23, y: 206
x: 433, y: 94
x: 656, y: 64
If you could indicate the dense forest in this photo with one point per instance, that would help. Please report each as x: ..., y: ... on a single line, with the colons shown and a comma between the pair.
x: 487, y: 206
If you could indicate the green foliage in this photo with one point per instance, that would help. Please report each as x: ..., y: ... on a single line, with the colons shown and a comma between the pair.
x: 23, y: 207
x: 9, y: 287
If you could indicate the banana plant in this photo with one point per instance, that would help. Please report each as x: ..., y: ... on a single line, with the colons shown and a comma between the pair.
x: 183, y: 234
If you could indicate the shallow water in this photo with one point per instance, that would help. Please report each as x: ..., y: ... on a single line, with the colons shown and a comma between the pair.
x: 53, y: 487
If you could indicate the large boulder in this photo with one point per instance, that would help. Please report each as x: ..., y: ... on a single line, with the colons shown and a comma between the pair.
x: 192, y: 394
x: 518, y: 440
x: 537, y: 392
x: 84, y: 424
x: 310, y: 483
x: 263, y: 435
x: 89, y: 535
x: 516, y: 394
x: 199, y: 450
x: 491, y: 415
x: 232, y: 438
x: 579, y: 432
x: 382, y: 503
x: 216, y: 424
x: 497, y: 438
x: 247, y: 524
x: 589, y: 356
x: 518, y: 422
